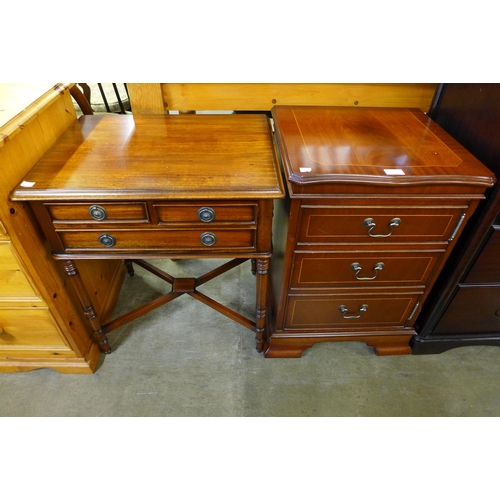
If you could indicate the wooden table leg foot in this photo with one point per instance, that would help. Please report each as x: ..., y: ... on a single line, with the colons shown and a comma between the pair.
x: 102, y: 341
x: 88, y: 308
x: 130, y: 267
x: 254, y: 266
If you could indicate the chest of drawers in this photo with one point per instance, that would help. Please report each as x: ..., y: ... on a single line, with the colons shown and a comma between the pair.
x: 377, y: 199
x: 40, y: 327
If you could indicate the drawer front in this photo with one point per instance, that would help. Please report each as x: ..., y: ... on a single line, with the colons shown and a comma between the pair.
x: 206, y: 213
x: 67, y: 213
x: 28, y: 327
x: 349, y: 311
x: 185, y: 240
x: 361, y: 269
x: 378, y: 225
x: 473, y: 310
x: 13, y: 282
x: 486, y: 269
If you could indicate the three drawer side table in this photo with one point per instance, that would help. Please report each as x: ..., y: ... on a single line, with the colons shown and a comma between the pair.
x: 378, y: 198
x: 142, y: 187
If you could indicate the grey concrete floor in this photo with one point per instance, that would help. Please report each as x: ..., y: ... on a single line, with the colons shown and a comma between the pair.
x: 185, y: 359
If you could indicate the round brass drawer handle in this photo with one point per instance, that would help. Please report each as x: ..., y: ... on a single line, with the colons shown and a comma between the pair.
x: 208, y: 239
x: 370, y: 223
x: 343, y: 309
x: 107, y: 240
x: 98, y: 213
x: 206, y: 214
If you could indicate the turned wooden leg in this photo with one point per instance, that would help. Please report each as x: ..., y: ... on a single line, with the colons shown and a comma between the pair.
x: 254, y: 266
x: 130, y: 267
x: 262, y: 267
x: 88, y: 308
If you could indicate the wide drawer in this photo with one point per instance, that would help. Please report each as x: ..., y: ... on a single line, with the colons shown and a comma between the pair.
x: 206, y: 213
x: 388, y: 224
x: 356, y: 269
x: 344, y: 311
x: 28, y: 327
x: 185, y: 240
x: 474, y: 310
x: 67, y: 213
x: 486, y: 269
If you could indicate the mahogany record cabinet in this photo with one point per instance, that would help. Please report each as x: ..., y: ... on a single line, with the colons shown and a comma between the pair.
x: 377, y: 200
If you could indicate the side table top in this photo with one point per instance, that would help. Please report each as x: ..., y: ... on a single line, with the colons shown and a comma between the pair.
x: 384, y: 146
x: 158, y: 157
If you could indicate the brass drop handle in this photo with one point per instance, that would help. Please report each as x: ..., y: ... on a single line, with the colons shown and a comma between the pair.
x: 370, y: 223
x: 356, y: 266
x: 343, y: 309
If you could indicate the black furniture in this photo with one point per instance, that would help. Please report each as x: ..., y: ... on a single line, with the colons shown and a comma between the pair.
x: 464, y: 306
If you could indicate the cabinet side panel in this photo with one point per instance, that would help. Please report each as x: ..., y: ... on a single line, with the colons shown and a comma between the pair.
x: 17, y: 156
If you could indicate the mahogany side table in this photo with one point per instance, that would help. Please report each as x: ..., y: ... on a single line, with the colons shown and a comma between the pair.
x: 137, y: 187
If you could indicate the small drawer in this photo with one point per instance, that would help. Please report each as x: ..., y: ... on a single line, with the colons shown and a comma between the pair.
x: 361, y: 269
x: 64, y: 213
x: 337, y: 311
x: 381, y: 225
x: 205, y: 213
x: 172, y: 240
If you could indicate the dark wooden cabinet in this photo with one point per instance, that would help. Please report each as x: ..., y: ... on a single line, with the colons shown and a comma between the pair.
x: 377, y: 200
x: 464, y: 306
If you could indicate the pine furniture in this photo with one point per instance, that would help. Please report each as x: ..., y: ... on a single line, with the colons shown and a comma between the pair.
x: 40, y: 323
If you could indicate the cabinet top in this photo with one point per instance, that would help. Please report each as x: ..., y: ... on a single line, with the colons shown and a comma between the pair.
x: 158, y: 157
x: 377, y: 146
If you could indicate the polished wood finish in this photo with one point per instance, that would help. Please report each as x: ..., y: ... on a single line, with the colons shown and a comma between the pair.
x: 158, y: 98
x: 147, y: 157
x: 378, y: 199
x: 463, y: 308
x: 146, y: 186
x: 40, y: 323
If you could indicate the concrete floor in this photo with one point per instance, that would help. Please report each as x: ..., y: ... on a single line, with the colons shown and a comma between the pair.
x: 186, y: 359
